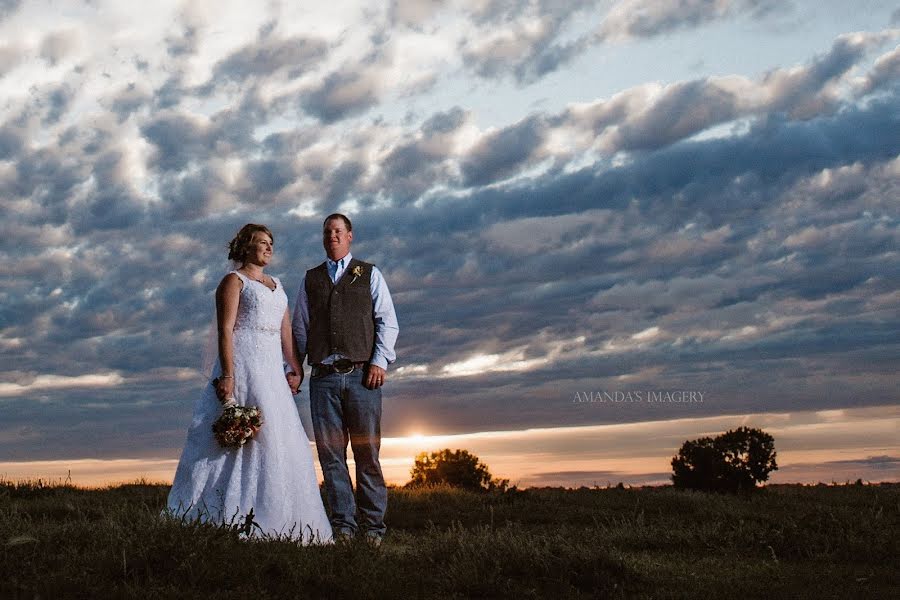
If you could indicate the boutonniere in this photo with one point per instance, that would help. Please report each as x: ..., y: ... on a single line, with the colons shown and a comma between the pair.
x: 357, y: 271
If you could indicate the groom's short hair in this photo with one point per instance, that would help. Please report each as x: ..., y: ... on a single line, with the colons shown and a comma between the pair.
x: 338, y: 216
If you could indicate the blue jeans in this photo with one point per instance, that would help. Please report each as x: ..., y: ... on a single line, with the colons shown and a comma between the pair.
x: 344, y: 410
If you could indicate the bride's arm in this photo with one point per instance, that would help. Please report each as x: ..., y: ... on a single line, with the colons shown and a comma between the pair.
x: 227, y: 297
x: 287, y: 349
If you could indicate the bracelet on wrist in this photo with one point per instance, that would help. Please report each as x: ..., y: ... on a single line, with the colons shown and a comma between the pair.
x: 226, y: 376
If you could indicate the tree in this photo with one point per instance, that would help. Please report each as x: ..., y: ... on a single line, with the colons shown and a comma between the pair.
x: 733, y: 461
x: 458, y: 468
x: 698, y: 465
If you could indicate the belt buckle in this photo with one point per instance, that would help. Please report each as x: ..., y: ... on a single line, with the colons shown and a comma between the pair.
x: 343, y: 366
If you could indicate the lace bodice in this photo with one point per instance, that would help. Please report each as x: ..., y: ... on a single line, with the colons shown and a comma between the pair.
x: 260, y: 308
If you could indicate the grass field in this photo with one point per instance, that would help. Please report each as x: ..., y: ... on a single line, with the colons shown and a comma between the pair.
x: 782, y: 542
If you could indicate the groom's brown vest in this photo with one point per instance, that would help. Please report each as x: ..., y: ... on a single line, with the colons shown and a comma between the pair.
x: 341, y: 318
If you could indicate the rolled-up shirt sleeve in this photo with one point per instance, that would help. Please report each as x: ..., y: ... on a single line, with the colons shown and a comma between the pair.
x: 386, y: 327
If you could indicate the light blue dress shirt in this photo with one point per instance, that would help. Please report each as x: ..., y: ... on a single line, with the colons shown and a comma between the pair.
x: 386, y: 327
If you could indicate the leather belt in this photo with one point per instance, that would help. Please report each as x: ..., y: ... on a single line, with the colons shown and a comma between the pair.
x: 342, y: 366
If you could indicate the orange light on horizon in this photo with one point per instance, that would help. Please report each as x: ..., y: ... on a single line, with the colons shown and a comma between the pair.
x: 845, y: 442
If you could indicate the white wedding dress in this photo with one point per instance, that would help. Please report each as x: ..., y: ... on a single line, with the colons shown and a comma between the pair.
x: 273, y: 473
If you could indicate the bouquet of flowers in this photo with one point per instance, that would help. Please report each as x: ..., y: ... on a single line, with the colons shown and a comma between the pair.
x: 237, y: 424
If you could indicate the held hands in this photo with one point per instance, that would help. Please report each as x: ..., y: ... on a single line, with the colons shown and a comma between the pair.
x: 294, y: 380
x: 375, y: 377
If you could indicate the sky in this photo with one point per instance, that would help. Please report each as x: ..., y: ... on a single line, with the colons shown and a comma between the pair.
x: 607, y: 226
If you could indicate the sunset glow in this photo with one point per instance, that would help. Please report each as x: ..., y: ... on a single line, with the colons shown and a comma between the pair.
x: 812, y: 447
x: 606, y: 227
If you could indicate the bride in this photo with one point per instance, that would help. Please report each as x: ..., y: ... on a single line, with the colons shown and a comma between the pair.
x: 271, y: 475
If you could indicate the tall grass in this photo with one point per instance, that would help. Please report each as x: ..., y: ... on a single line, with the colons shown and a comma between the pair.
x: 785, y: 541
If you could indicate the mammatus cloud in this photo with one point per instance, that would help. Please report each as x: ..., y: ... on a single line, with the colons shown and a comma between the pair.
x: 183, y: 43
x: 525, y: 41
x: 629, y: 19
x: 343, y: 94
x: 268, y: 56
x: 885, y: 73
x: 521, y: 39
x: 58, y: 45
x: 652, y: 116
x: 503, y: 153
x: 10, y: 57
x: 7, y: 7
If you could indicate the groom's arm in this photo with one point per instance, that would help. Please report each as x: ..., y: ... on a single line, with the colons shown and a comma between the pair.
x: 293, y: 370
x: 300, y: 322
x: 385, y: 317
x: 386, y: 331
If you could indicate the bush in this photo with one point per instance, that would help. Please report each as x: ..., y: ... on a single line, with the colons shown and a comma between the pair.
x: 733, y: 461
x: 458, y: 468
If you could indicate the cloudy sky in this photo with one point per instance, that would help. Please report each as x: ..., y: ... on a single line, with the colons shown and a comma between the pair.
x: 570, y: 200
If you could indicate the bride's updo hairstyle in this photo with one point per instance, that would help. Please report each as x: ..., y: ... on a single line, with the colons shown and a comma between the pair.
x: 240, y: 245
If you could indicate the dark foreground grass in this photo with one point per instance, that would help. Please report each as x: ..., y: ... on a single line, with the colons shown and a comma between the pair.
x: 783, y: 542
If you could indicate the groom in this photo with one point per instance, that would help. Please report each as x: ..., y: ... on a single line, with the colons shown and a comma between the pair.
x: 344, y: 321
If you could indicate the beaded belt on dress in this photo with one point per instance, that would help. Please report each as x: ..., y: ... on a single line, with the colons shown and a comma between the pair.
x: 262, y: 329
